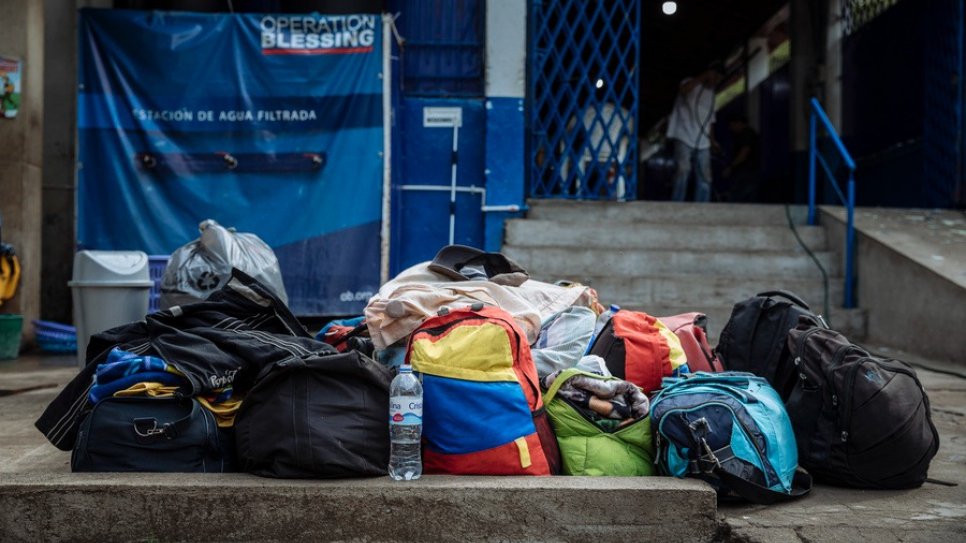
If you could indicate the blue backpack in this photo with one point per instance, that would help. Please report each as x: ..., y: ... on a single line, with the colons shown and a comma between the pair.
x: 731, y: 430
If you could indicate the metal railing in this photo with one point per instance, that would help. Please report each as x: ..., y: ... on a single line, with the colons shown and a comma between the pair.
x: 817, y: 114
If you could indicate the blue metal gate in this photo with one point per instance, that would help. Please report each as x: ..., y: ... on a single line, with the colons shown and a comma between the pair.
x: 583, y: 92
x: 438, y: 171
x: 943, y: 138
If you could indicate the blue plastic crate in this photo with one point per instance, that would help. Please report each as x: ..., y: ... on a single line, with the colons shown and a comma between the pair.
x: 55, y: 337
x: 156, y: 266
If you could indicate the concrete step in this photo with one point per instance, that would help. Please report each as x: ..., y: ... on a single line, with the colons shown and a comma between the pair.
x: 238, y: 507
x: 566, y: 263
x: 642, y: 235
x: 664, y: 212
x: 645, y: 291
x: 851, y: 322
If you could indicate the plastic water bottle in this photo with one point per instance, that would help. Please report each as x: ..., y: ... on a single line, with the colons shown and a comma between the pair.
x: 604, y: 317
x: 405, y: 425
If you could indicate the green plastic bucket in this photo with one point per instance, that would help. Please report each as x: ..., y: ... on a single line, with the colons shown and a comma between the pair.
x: 10, y: 328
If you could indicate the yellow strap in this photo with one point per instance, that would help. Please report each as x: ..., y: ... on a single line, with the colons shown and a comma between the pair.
x: 524, y: 452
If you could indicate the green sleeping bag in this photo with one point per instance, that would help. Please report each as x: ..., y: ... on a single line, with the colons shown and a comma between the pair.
x: 593, y: 445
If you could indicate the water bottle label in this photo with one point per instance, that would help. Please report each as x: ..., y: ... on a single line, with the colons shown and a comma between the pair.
x: 405, y: 410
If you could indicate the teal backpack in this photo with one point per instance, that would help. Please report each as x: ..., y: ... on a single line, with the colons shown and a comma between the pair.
x: 731, y: 430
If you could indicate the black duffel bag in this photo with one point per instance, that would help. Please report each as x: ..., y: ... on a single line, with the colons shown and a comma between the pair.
x: 755, y: 337
x: 860, y: 420
x: 318, y: 416
x: 141, y: 433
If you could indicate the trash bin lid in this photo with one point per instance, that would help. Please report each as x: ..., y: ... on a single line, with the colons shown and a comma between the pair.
x: 111, y: 267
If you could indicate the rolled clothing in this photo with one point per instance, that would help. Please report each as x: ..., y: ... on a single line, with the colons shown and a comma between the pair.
x: 612, y: 399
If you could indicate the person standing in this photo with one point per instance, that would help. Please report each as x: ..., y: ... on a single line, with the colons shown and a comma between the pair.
x: 691, y: 127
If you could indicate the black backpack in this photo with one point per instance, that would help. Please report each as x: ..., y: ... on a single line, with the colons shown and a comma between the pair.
x: 754, y: 338
x: 859, y: 420
x: 317, y: 416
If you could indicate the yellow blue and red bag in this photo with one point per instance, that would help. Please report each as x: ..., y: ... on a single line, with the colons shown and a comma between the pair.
x: 483, y: 412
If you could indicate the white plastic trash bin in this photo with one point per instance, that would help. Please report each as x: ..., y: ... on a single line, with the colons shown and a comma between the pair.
x: 109, y: 288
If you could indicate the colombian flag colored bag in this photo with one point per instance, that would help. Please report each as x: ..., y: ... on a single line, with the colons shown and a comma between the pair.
x: 483, y: 412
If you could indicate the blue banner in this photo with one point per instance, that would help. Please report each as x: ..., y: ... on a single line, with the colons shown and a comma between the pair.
x: 271, y: 124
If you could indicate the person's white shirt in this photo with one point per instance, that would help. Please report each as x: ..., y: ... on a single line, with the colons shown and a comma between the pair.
x: 692, y: 117
x: 608, y: 132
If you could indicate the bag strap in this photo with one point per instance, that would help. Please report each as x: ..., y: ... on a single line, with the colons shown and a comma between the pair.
x: 787, y: 295
x: 753, y: 492
x: 717, y: 463
x: 168, y: 430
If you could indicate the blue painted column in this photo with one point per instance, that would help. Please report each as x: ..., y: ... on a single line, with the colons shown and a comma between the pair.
x: 506, y: 46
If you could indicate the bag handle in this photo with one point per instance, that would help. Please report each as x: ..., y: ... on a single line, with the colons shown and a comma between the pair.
x: 753, y: 492
x: 168, y: 430
x: 787, y: 295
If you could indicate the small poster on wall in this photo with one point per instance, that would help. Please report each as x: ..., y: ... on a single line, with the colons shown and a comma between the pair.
x: 10, y: 80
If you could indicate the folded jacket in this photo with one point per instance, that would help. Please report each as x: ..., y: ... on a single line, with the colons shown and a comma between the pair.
x: 418, y: 293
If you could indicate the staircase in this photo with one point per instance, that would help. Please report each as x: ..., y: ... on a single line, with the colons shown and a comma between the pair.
x: 667, y: 258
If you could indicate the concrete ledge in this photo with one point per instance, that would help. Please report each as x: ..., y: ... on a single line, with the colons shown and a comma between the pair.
x: 239, y: 507
x: 911, y: 267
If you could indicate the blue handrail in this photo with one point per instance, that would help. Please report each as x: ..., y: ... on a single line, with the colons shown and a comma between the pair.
x: 817, y: 114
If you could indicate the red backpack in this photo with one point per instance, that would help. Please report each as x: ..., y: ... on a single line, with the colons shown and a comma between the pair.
x: 639, y: 348
x: 691, y: 329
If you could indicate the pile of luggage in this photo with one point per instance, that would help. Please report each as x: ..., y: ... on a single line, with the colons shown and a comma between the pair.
x: 519, y: 377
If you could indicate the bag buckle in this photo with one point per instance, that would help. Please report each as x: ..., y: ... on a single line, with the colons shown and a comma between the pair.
x: 141, y: 427
x: 709, y: 456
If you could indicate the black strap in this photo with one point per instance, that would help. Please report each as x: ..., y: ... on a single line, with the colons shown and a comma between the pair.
x: 787, y: 295
x: 169, y: 430
x: 801, y: 485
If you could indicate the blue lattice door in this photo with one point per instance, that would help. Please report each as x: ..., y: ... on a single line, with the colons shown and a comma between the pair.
x: 583, y: 99
x: 944, y: 122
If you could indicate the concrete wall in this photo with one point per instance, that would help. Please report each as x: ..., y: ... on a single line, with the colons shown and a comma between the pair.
x: 21, y: 151
x: 506, y: 73
x: 910, y: 306
x: 59, y: 128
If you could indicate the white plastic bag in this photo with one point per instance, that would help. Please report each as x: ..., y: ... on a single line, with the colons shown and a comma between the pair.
x: 203, y: 266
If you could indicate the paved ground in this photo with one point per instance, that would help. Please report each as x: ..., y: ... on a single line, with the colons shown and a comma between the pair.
x: 930, y: 513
